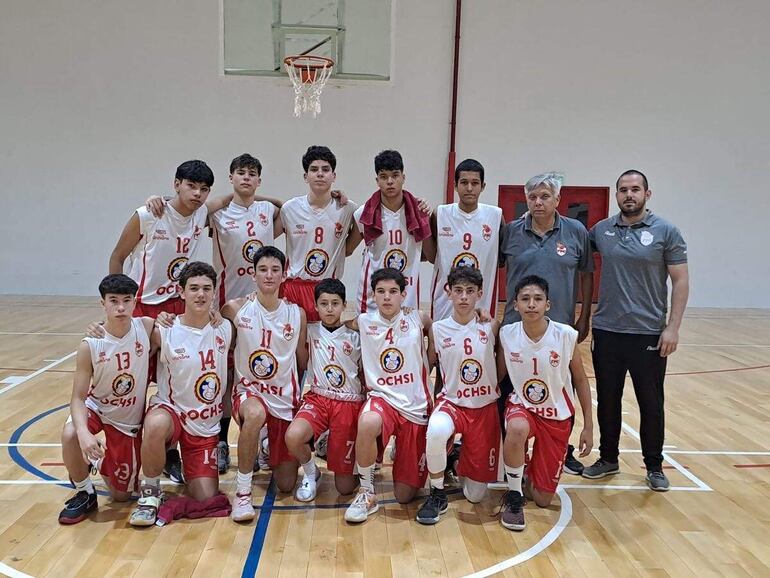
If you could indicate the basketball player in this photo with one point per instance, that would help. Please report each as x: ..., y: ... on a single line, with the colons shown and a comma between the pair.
x: 467, y: 234
x: 335, y: 397
x: 399, y: 400
x: 465, y: 348
x: 188, y: 405
x: 108, y: 394
x: 269, y: 352
x: 394, y: 226
x: 541, y: 358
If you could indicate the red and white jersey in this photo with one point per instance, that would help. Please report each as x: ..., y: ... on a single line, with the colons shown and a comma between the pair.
x: 396, y: 364
x: 119, y: 383
x: 396, y: 249
x: 192, y: 374
x: 466, y: 355
x: 266, y: 356
x: 333, y: 363
x: 160, y: 255
x: 315, y: 238
x: 238, y: 232
x: 466, y: 240
x: 539, y: 371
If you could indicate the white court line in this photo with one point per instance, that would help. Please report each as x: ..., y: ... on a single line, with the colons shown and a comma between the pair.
x: 564, y: 518
x: 720, y: 345
x: 6, y: 570
x: 38, y: 372
x: 101, y: 484
x: 37, y: 333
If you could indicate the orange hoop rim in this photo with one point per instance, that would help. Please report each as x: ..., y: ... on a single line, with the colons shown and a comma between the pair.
x: 308, y: 61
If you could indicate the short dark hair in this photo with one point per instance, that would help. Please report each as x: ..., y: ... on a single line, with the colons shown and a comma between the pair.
x: 630, y: 172
x: 195, y: 172
x: 465, y: 276
x: 388, y: 274
x: 246, y: 161
x: 118, y: 284
x: 267, y: 252
x: 330, y: 286
x: 471, y: 166
x: 388, y: 160
x: 318, y: 153
x: 197, y: 269
x: 530, y: 280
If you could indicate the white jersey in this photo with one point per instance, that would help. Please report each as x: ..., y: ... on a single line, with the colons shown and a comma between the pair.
x: 396, y: 249
x: 238, y: 232
x: 539, y: 371
x: 466, y: 355
x: 160, y: 255
x: 466, y: 240
x: 395, y: 362
x: 315, y: 238
x: 266, y: 356
x: 192, y: 374
x: 333, y: 363
x: 119, y: 383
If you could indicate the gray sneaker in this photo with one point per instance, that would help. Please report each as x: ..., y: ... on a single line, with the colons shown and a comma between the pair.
x: 600, y: 469
x: 658, y: 481
x: 512, y: 511
x: 223, y: 456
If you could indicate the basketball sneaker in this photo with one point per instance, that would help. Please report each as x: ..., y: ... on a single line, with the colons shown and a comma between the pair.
x: 223, y: 456
x: 512, y: 511
x: 146, y: 511
x: 600, y: 469
x: 432, y: 508
x: 243, y: 510
x: 307, y: 488
x: 658, y: 481
x: 263, y: 456
x: 571, y: 464
x: 77, y: 508
x: 173, y: 468
x: 362, y: 507
x: 450, y: 474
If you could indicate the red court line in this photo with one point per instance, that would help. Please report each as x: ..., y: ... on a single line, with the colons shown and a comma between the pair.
x: 711, y: 371
x: 52, y: 464
x: 751, y: 465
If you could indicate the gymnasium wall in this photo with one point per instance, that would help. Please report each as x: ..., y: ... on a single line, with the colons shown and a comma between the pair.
x: 100, y: 101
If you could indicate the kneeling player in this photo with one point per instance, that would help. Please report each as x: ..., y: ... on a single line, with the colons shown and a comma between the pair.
x: 335, y: 397
x: 396, y: 371
x: 467, y: 404
x: 192, y: 373
x: 108, y: 394
x: 542, y: 360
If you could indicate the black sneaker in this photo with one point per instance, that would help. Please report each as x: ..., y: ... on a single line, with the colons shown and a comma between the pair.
x: 600, y: 469
x: 571, y: 464
x: 512, y: 511
x: 78, y: 507
x: 658, y: 481
x: 450, y: 474
x: 173, y: 468
x: 433, y: 507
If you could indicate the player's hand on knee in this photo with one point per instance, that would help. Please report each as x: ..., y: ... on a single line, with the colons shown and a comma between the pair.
x: 668, y: 341
x: 156, y: 205
x: 90, y: 447
x: 165, y: 319
x: 96, y: 330
x: 586, y: 441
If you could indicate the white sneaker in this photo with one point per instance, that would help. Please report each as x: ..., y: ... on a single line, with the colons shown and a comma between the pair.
x: 263, y: 456
x: 306, y: 490
x: 243, y: 511
x: 362, y: 507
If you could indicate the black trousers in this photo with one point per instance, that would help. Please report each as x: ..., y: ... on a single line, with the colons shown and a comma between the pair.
x: 615, y: 354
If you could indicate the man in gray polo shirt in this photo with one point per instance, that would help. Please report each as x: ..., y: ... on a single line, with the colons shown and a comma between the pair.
x: 553, y: 247
x: 630, y: 333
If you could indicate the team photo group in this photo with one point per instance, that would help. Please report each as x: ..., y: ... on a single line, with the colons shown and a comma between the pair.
x: 309, y: 369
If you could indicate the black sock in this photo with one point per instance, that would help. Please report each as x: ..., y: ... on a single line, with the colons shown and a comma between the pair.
x: 224, y: 424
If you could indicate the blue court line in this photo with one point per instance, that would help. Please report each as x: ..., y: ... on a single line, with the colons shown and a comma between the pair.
x: 260, y: 533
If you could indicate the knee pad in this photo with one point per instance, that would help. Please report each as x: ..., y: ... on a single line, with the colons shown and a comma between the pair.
x: 440, y: 430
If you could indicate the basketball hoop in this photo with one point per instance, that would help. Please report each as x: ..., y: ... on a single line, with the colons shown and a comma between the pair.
x: 308, y: 74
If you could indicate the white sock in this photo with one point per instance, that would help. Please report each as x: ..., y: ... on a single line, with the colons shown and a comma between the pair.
x: 85, y: 485
x: 243, y: 482
x: 309, y: 469
x: 367, y: 477
x: 437, y: 483
x: 514, y: 477
x: 155, y: 482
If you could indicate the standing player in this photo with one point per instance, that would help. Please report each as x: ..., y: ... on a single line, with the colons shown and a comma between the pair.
x: 467, y: 234
x: 316, y: 229
x: 108, y: 394
x: 335, y: 397
x: 399, y: 402
x: 188, y: 405
x: 270, y: 350
x: 542, y: 361
x: 394, y: 229
x: 467, y: 404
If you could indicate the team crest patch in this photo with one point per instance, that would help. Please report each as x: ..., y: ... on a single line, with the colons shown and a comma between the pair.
x: 470, y: 371
x: 138, y: 349
x: 249, y: 248
x: 347, y: 348
x: 483, y: 338
x: 263, y: 364
x: 220, y: 344
x: 486, y: 232
x: 535, y: 391
x: 288, y: 332
x: 316, y: 262
x: 207, y: 387
x: 392, y: 360
x: 554, y: 359
x: 123, y: 384
x: 263, y: 219
x: 466, y: 260
x: 338, y: 229
x: 561, y: 249
x: 335, y: 375
x: 646, y: 238
x: 175, y: 268
x: 404, y: 326
x: 196, y: 232
x: 395, y: 259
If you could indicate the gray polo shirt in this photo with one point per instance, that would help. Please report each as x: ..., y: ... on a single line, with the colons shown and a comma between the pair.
x: 633, y: 296
x: 556, y: 257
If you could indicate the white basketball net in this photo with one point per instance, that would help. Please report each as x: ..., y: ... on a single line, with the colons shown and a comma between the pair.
x: 309, y: 80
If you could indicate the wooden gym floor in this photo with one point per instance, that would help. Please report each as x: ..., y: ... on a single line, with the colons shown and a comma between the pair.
x: 715, y: 521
